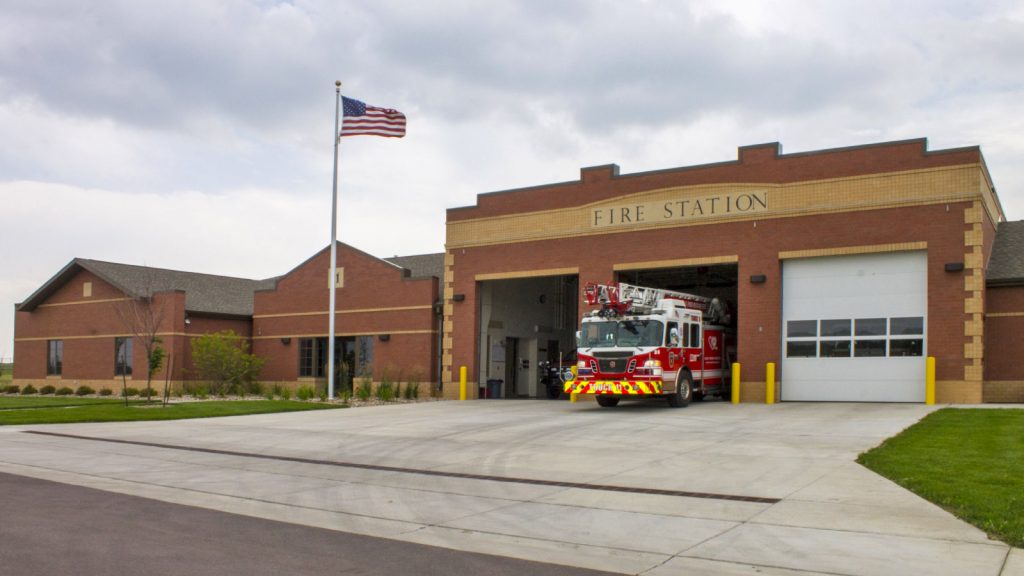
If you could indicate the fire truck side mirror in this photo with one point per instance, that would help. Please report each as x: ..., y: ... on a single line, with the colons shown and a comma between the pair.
x: 578, y: 334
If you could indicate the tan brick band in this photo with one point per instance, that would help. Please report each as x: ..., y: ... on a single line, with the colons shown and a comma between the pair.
x: 355, y: 311
x: 710, y: 260
x: 1004, y: 391
x: 527, y: 274
x: 850, y: 250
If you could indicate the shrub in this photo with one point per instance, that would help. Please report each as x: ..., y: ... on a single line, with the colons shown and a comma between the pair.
x: 84, y: 391
x: 29, y: 389
x: 48, y: 389
x: 365, y: 388
x: 223, y: 360
x: 12, y: 389
x: 130, y: 391
x: 304, y: 393
x: 201, y: 392
x: 147, y: 393
x: 106, y: 392
x: 64, y: 391
x: 344, y: 394
x: 269, y: 394
x: 386, y: 391
x: 286, y: 394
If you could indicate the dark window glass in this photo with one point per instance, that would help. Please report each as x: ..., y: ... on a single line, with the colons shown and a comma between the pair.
x: 306, y: 357
x: 906, y: 347
x: 320, y: 358
x: 801, y: 328
x: 122, y: 356
x: 904, y: 326
x: 869, y: 327
x: 364, y: 358
x: 801, y: 349
x: 865, y: 348
x: 835, y: 328
x: 695, y: 336
x: 54, y: 357
x: 834, y: 349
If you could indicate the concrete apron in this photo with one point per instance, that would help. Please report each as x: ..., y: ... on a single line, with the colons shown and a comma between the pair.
x: 771, y: 488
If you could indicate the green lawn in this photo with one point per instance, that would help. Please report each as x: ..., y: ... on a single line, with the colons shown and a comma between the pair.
x: 969, y: 461
x: 107, y: 411
x: 34, y: 401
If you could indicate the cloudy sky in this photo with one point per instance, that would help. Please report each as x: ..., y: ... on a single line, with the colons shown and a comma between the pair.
x: 197, y: 134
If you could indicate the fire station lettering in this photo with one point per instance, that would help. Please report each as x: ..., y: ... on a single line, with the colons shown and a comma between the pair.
x: 679, y: 210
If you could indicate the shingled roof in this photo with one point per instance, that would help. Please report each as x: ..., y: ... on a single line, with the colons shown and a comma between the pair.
x: 1006, y: 265
x: 421, y: 265
x: 204, y: 293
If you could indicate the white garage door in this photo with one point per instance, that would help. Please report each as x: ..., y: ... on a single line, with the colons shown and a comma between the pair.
x: 853, y: 328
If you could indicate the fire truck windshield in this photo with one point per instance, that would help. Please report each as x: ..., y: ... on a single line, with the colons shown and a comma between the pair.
x: 622, y: 333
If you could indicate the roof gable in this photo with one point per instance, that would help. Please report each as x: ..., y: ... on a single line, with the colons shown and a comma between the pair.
x: 204, y: 293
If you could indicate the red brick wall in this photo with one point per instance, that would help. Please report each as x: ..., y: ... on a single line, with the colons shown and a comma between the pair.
x: 758, y: 248
x: 756, y: 164
x: 88, y: 327
x: 371, y: 287
x: 1003, y: 333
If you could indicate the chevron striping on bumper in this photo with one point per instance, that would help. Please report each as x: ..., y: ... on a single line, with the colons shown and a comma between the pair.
x: 616, y: 387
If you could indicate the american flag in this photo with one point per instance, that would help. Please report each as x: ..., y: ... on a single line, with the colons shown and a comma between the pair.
x: 370, y: 120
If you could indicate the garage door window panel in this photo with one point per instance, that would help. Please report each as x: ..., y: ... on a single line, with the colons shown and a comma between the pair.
x: 802, y: 339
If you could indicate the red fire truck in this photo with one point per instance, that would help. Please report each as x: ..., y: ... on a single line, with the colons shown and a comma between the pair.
x: 647, y: 342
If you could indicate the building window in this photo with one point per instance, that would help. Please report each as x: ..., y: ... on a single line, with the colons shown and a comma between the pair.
x: 308, y: 361
x: 122, y: 356
x: 353, y: 356
x: 54, y: 357
x: 871, y: 337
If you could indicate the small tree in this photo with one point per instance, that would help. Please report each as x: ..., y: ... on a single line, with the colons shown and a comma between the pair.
x: 223, y: 360
x: 142, y: 315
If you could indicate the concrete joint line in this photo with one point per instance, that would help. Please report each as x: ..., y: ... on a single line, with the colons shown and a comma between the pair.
x: 424, y: 472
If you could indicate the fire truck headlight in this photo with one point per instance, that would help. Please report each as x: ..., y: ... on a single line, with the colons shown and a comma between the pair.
x: 652, y: 364
x: 582, y: 364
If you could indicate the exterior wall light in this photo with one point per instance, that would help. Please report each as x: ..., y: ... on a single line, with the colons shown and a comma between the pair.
x: 458, y: 297
x: 758, y: 279
x: 384, y: 337
x: 954, y: 266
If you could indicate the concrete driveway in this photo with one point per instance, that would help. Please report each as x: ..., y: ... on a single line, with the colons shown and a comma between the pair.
x: 712, y: 489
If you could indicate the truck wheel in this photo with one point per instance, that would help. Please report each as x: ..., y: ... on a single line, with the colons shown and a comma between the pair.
x: 607, y: 401
x: 684, y: 391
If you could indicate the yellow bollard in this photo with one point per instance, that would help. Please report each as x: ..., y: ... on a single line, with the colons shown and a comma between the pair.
x: 462, y: 382
x: 769, y: 383
x: 572, y: 395
x: 929, y: 381
x: 735, y: 382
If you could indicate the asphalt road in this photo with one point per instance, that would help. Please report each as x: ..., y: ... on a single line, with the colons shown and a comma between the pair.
x: 52, y: 528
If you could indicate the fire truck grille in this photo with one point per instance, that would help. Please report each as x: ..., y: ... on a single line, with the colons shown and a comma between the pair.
x: 612, y: 362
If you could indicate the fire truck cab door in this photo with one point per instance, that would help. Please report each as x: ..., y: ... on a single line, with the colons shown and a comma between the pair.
x: 674, y: 342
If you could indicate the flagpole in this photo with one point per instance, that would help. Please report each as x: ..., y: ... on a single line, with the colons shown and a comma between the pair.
x: 332, y: 281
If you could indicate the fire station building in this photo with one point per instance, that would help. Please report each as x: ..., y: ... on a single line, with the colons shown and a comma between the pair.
x: 846, y: 268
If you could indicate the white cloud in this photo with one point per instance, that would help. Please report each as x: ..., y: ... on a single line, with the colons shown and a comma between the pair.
x: 196, y: 135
